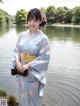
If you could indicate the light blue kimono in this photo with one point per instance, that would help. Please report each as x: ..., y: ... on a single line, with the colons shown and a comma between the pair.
x: 31, y: 87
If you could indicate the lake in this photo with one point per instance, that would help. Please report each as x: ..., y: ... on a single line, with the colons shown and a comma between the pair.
x: 63, y: 77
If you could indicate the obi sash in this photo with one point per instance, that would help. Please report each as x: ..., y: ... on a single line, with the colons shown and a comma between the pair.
x: 26, y: 58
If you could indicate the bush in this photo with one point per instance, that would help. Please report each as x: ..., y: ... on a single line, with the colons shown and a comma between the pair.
x: 3, y: 93
x: 12, y: 101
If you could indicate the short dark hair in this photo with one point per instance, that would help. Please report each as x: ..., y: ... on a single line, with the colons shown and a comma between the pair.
x: 37, y: 15
x: 34, y: 14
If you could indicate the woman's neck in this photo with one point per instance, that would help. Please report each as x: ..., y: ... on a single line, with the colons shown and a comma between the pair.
x: 34, y: 31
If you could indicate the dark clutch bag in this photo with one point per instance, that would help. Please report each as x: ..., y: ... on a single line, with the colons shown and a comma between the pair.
x: 15, y: 72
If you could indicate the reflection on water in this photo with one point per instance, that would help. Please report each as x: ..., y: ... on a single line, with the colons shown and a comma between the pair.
x: 63, y: 84
x: 21, y: 28
x: 3, y: 30
x: 64, y: 34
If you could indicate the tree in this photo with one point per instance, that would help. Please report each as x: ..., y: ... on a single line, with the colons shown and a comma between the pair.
x: 51, y: 14
x: 68, y: 16
x: 2, y: 19
x: 76, y: 17
x: 61, y: 13
x: 21, y: 17
x: 5, y: 18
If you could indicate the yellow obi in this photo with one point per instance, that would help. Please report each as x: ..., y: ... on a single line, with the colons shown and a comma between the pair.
x: 26, y: 57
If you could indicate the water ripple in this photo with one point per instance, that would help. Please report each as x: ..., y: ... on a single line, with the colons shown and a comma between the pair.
x: 62, y: 91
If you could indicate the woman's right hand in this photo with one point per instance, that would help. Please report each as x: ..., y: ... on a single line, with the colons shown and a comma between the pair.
x: 19, y: 66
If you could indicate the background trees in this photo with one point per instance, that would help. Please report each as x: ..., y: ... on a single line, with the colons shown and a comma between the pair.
x: 20, y: 17
x: 51, y: 14
x: 54, y: 15
x: 68, y: 16
x: 5, y: 18
x: 63, y: 15
x: 76, y: 15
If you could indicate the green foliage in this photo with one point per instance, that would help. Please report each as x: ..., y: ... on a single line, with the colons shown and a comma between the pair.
x: 3, y: 93
x: 68, y: 16
x: 51, y: 14
x: 61, y: 14
x: 1, y: 1
x: 5, y: 19
x: 76, y: 17
x: 51, y: 20
x: 21, y: 17
x: 76, y: 20
x: 2, y: 19
x: 12, y: 101
x: 77, y: 11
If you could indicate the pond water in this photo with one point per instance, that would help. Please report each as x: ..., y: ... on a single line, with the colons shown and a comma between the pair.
x: 63, y: 77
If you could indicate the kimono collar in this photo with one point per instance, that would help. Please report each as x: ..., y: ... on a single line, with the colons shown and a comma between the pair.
x: 35, y: 33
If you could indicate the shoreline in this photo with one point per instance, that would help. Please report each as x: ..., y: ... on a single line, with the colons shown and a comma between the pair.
x: 65, y: 25
x: 56, y: 25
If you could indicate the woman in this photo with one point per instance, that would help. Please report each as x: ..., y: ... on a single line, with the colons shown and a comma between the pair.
x: 31, y: 57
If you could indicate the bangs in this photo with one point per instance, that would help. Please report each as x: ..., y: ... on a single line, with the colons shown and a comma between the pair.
x: 32, y: 17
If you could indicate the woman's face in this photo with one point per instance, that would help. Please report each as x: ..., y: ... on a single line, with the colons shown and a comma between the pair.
x: 33, y: 24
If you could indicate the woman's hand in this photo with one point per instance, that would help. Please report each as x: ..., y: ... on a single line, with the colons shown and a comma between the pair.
x: 19, y: 66
x: 25, y: 66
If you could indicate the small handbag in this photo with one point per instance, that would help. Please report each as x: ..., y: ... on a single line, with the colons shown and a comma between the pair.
x: 15, y: 72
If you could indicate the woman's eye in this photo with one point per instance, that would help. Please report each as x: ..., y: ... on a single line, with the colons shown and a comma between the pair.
x: 35, y: 20
x: 29, y: 20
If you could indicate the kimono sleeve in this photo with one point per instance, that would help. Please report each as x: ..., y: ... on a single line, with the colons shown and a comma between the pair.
x: 40, y: 65
x: 15, y: 54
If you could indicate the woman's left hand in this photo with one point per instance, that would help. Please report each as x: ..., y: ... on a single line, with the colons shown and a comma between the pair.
x: 25, y: 66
